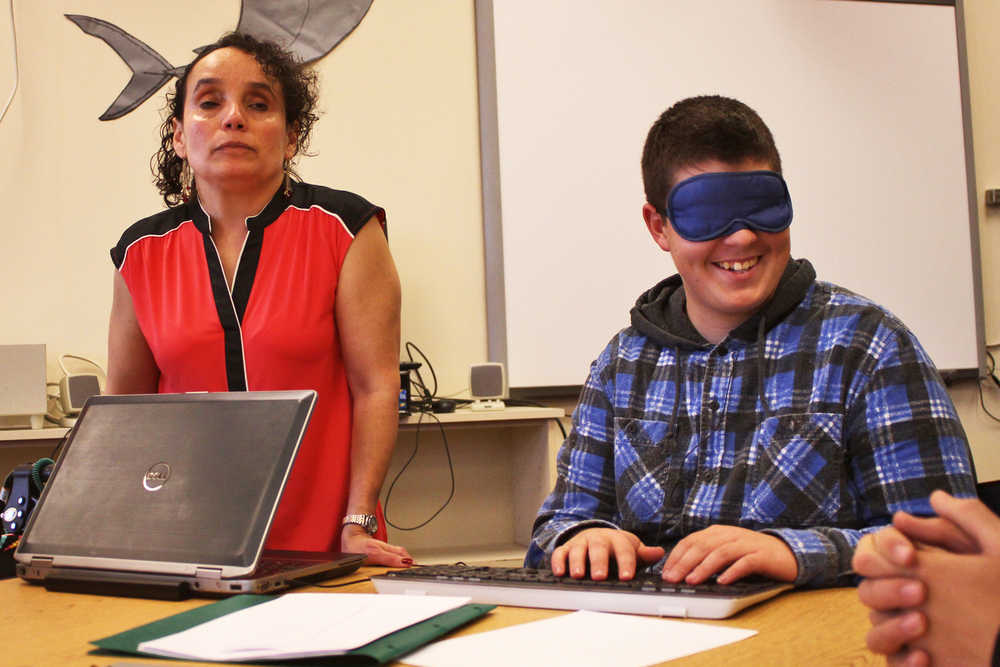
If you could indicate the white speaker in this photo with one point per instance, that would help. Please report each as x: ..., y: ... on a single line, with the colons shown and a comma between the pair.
x: 75, y: 389
x: 488, y: 386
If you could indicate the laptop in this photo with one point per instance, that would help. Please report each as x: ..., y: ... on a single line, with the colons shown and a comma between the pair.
x: 169, y: 495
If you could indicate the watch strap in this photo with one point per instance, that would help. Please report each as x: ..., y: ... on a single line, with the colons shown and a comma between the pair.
x: 367, y: 521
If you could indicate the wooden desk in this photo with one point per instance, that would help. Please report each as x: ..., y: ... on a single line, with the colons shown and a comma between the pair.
x: 825, y: 627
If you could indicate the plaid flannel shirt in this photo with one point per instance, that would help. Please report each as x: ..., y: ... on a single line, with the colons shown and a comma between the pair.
x: 855, y: 424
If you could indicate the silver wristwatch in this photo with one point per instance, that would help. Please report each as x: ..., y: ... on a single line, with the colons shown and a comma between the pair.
x: 366, y: 521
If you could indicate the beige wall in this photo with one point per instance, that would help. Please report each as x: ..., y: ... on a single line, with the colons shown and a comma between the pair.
x: 400, y: 127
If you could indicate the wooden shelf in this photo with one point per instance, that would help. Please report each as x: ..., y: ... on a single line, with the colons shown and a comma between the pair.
x: 47, y: 433
x: 467, y: 416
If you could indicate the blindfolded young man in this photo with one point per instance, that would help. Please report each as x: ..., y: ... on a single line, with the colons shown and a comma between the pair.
x: 752, y: 419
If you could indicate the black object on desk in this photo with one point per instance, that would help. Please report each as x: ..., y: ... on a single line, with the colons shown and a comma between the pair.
x: 405, y: 390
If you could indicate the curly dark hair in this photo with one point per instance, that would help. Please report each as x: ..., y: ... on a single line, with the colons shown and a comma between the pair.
x: 697, y: 129
x: 299, y: 88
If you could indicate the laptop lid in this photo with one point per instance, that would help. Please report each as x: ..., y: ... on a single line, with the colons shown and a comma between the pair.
x: 169, y: 483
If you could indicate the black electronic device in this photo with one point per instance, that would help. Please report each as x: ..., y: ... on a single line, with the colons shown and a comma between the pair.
x: 442, y: 405
x: 19, y: 495
x: 405, y: 387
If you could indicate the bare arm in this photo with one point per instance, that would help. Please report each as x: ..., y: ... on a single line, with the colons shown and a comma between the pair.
x: 131, y: 367
x: 367, y: 312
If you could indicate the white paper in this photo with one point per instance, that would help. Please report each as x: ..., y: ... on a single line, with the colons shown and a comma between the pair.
x: 300, y: 625
x: 581, y: 639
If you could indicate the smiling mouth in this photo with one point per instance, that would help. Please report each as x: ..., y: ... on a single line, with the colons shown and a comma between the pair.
x: 738, y: 266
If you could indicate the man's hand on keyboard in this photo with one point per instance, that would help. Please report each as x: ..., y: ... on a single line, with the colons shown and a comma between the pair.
x: 596, y: 547
x: 737, y: 552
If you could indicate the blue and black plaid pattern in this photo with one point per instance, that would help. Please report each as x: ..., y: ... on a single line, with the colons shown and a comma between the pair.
x: 854, y: 425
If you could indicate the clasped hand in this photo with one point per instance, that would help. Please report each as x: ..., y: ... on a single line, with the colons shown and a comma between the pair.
x: 933, y: 584
x: 737, y: 552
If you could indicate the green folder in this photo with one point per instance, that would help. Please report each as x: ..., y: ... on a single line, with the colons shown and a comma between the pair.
x: 380, y: 651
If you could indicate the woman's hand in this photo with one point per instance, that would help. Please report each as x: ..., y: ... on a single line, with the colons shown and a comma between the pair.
x: 354, y: 539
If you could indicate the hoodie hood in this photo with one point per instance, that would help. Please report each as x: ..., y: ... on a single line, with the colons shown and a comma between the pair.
x: 661, y: 314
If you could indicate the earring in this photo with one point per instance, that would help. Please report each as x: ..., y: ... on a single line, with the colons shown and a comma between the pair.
x: 187, y: 181
x: 287, y: 190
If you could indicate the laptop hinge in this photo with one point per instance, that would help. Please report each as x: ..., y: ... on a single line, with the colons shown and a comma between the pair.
x: 41, y: 561
x: 208, y: 573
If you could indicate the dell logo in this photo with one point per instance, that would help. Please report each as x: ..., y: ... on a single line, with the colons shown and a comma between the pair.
x: 156, y: 477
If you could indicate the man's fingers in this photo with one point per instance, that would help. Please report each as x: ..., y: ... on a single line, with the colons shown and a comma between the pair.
x: 577, y: 565
x: 717, y: 559
x: 871, y: 560
x: 675, y: 554
x: 910, y: 658
x: 972, y: 517
x: 625, y: 554
x: 741, y: 568
x: 558, y: 560
x: 649, y: 554
x: 692, y: 556
x: 895, y: 547
x: 598, y: 556
x: 893, y: 631
x: 935, y: 531
x: 887, y: 594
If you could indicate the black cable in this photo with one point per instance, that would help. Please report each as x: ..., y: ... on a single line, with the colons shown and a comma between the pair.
x: 303, y: 582
x: 59, y: 444
x: 514, y: 402
x: 562, y: 428
x: 982, y: 402
x: 416, y: 447
x: 993, y: 368
x: 427, y: 394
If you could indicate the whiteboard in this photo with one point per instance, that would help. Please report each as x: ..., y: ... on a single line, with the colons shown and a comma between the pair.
x: 865, y: 101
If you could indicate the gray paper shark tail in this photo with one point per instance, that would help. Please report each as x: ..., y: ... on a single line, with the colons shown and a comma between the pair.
x: 310, y: 29
x: 149, y: 69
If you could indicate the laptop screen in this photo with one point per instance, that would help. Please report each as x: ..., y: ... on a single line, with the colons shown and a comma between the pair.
x: 190, y: 478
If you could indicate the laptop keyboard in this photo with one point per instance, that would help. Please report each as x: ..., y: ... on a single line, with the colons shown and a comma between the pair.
x: 528, y: 587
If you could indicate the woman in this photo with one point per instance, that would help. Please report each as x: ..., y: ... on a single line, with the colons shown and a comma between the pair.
x: 253, y: 281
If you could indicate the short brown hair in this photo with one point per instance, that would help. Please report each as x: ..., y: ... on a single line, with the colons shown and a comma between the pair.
x: 697, y: 129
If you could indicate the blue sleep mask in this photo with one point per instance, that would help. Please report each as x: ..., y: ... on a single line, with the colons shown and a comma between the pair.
x: 716, y: 204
